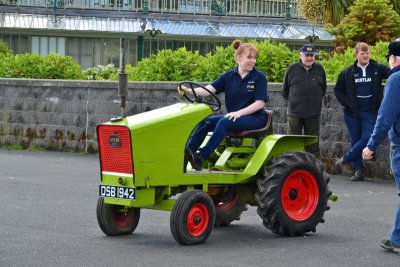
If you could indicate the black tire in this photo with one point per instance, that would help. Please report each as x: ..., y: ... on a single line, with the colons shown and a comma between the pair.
x: 116, y: 220
x: 293, y: 194
x: 192, y: 218
x: 229, y: 210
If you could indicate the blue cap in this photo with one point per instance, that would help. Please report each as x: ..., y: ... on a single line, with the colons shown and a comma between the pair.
x: 308, y: 49
x: 394, y: 49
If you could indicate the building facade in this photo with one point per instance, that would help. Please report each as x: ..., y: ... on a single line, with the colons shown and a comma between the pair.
x: 90, y: 30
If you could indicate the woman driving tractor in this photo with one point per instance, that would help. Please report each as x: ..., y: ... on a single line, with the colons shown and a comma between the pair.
x: 246, y: 92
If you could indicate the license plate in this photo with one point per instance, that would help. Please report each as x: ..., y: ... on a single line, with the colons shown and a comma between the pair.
x: 117, y: 192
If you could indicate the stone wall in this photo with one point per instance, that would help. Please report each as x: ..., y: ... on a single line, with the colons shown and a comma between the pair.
x: 62, y: 115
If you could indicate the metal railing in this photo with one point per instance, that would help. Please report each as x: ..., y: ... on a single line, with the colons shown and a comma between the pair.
x: 268, y: 8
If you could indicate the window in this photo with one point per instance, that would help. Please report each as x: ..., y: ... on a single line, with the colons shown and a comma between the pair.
x: 44, y: 45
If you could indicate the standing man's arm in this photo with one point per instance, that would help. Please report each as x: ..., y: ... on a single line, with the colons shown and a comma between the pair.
x: 324, y: 86
x: 384, y: 71
x: 387, y: 115
x: 285, y: 88
x: 340, y: 89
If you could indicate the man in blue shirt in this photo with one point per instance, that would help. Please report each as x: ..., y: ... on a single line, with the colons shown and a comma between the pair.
x: 389, y: 121
x: 245, y: 90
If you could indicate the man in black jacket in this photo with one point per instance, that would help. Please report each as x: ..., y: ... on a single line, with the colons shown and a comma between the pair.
x: 304, y: 86
x: 359, y: 90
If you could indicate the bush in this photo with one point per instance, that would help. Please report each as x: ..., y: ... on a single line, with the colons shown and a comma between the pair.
x: 6, y: 61
x: 334, y: 64
x: 108, y: 72
x: 179, y: 65
x: 56, y: 66
x: 26, y: 66
x: 274, y: 58
x: 167, y: 65
x: 52, y: 66
x: 4, y: 49
x: 217, y: 63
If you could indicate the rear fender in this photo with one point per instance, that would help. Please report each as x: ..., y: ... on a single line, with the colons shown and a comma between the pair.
x: 275, y: 145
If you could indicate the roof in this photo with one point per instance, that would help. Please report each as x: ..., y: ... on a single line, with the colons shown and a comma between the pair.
x: 173, y: 26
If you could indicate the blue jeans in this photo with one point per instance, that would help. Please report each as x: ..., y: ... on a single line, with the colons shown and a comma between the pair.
x: 220, y: 126
x: 395, y: 165
x: 360, y: 130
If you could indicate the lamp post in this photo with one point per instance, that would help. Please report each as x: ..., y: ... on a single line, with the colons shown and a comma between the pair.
x: 153, y: 32
x: 122, y: 78
x: 145, y: 6
x: 288, y: 10
x: 53, y: 20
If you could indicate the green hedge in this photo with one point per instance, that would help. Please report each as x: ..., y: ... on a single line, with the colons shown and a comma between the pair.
x: 273, y: 60
x: 178, y: 65
x: 52, y: 66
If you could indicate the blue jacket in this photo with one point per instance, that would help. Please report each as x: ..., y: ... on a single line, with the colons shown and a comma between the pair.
x: 389, y: 113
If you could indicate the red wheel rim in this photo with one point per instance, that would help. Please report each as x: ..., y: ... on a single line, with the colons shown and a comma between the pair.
x: 123, y: 218
x: 300, y: 195
x: 197, y: 219
x: 227, y: 205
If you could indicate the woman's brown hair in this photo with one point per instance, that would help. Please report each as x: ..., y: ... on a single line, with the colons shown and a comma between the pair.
x: 241, y: 48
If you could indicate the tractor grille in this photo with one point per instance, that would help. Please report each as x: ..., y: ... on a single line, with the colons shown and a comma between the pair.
x: 115, y: 149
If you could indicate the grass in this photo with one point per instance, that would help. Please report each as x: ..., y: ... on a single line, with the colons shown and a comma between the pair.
x: 14, y: 147
x: 36, y: 148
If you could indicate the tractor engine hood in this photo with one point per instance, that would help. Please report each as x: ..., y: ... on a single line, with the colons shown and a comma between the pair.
x: 179, y: 114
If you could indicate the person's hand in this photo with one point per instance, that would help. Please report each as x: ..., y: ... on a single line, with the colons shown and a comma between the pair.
x: 233, y: 116
x: 182, y: 90
x: 367, y: 153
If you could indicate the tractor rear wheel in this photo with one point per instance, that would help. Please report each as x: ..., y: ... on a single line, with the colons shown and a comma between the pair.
x: 229, y: 210
x: 116, y: 220
x: 192, y: 217
x: 293, y: 194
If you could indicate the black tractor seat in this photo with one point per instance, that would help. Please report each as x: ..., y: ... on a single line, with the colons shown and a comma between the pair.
x: 258, y: 132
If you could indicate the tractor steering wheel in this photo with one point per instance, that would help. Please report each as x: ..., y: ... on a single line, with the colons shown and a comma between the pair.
x: 198, y: 99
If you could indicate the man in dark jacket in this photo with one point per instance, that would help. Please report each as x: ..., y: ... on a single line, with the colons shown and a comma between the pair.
x: 304, y: 86
x: 359, y: 90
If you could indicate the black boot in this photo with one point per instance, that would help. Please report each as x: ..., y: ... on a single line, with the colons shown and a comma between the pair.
x: 186, y: 158
x: 358, y: 176
x: 196, y: 160
x: 342, y: 166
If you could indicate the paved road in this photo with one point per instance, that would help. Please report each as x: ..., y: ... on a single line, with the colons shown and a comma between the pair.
x: 48, y: 218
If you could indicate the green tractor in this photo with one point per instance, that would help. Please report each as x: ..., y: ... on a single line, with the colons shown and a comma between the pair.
x: 143, y: 166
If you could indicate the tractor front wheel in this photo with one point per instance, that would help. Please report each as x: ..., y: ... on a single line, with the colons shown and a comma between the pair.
x: 116, y: 220
x: 293, y: 194
x: 192, y: 218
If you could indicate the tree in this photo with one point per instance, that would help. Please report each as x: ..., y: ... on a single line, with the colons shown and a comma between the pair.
x: 335, y: 11
x: 395, y: 4
x: 368, y: 21
x: 311, y: 10
x: 332, y: 11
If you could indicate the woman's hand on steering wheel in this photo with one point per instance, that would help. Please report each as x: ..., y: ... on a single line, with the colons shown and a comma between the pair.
x: 191, y: 86
x: 182, y: 90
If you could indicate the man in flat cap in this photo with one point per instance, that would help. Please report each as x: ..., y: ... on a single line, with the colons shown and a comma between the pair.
x: 389, y: 121
x: 304, y: 86
x: 359, y: 90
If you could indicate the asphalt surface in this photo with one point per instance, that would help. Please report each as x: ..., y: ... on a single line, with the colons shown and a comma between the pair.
x: 48, y: 218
